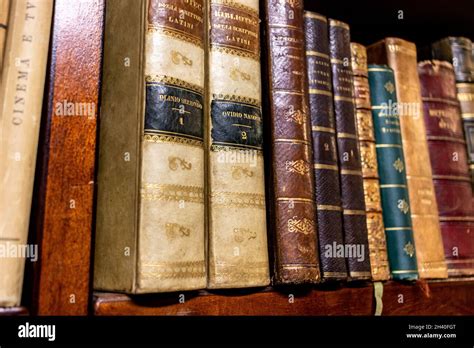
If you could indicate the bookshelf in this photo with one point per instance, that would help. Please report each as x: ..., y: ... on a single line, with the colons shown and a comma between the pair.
x: 454, y: 297
x: 423, y: 22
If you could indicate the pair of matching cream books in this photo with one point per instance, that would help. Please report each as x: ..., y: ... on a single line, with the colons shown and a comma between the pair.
x: 181, y: 201
x: 24, y: 42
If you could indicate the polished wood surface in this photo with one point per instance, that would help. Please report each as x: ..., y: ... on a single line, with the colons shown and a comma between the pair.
x: 436, y: 298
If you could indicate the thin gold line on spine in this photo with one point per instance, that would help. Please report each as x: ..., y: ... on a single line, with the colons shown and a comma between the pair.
x: 294, y: 199
x: 292, y: 141
x: 456, y: 218
x: 398, y: 228
x: 468, y: 115
x: 346, y: 135
x: 351, y: 172
x: 165, y: 138
x: 393, y: 186
x: 325, y: 166
x: 388, y: 145
x: 405, y: 271
x: 443, y: 138
x: 451, y: 177
x: 323, y: 129
x: 380, y: 69
x: 345, y: 99
x: 354, y: 212
x: 173, y: 81
x: 320, y: 92
x: 315, y: 16
x: 281, y: 91
x: 328, y: 207
x: 336, y: 23
x: 440, y: 100
x: 317, y: 54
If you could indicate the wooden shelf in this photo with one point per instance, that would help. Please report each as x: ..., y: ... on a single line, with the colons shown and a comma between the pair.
x: 453, y: 297
x: 13, y: 311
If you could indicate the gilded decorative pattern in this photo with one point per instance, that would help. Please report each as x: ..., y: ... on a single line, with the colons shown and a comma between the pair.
x: 365, y: 126
x: 179, y: 58
x: 166, y: 138
x: 174, y: 163
x: 169, y: 80
x: 238, y: 172
x: 169, y: 192
x: 238, y: 99
x: 237, y: 199
x: 304, y: 226
x: 409, y: 249
x: 398, y: 165
x: 372, y: 195
x: 389, y: 87
x: 368, y: 158
x: 175, y: 35
x: 403, y: 206
x: 174, y: 230
x: 244, y: 234
x: 296, y: 116
x: 235, y: 52
x: 299, y: 166
x: 377, y: 246
x: 174, y: 270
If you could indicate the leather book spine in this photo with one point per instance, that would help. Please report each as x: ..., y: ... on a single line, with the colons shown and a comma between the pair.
x: 457, y: 51
x: 350, y: 170
x: 120, y: 137
x: 392, y: 174
x: 465, y: 95
x: 292, y: 184
x: 4, y: 11
x: 21, y: 99
x: 401, y: 57
x: 238, y: 249
x: 365, y: 129
x: 326, y: 168
x: 449, y: 164
x: 171, y: 234
x: 66, y: 160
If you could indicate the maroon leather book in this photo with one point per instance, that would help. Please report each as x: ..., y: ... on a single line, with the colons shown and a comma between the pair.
x: 292, y: 204
x: 449, y: 163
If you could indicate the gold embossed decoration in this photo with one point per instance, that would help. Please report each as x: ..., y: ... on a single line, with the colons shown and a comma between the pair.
x: 237, y: 74
x: 304, y: 226
x: 174, y: 163
x: 398, y: 165
x: 238, y: 172
x: 296, y: 116
x: 368, y: 159
x: 179, y: 58
x: 403, y: 206
x: 409, y: 249
x: 299, y: 166
x: 174, y: 230
x: 244, y: 234
x: 389, y: 87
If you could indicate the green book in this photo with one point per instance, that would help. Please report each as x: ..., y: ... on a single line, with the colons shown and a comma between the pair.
x: 391, y: 168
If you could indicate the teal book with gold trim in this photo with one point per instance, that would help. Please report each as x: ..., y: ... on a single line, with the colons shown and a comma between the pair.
x: 391, y: 168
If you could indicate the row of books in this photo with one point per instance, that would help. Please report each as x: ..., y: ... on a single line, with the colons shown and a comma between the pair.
x: 333, y: 162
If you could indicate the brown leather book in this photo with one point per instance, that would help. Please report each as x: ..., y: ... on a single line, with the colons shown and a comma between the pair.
x: 350, y: 170
x: 449, y: 163
x: 66, y: 160
x: 150, y: 234
x: 368, y: 155
x: 21, y: 99
x: 400, y: 55
x: 291, y: 184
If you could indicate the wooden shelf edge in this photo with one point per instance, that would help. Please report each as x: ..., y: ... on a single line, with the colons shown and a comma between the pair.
x: 449, y: 297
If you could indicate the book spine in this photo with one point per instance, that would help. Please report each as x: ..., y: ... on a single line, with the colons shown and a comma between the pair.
x: 326, y: 168
x: 171, y: 234
x: 4, y: 11
x: 350, y: 171
x: 401, y: 56
x: 119, y: 155
x: 21, y: 99
x: 392, y: 174
x: 458, y: 51
x: 66, y: 160
x: 465, y: 95
x: 368, y: 155
x: 238, y: 250
x: 292, y: 186
x: 449, y: 164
